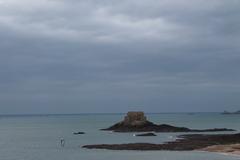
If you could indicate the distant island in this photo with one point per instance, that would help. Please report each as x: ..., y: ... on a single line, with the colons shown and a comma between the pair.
x: 137, y: 122
x: 227, y: 112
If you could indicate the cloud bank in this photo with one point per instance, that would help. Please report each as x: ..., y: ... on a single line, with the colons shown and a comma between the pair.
x: 73, y: 56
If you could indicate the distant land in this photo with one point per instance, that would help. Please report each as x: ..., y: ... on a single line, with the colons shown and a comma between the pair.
x: 227, y: 112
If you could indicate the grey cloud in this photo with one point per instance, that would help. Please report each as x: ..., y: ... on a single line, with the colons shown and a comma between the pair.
x: 113, y: 56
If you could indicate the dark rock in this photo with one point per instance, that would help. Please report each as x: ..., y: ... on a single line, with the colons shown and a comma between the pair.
x: 185, y: 143
x: 146, y: 134
x: 137, y: 122
x: 76, y: 133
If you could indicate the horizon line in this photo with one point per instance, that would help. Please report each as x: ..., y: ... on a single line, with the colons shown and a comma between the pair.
x: 100, y: 113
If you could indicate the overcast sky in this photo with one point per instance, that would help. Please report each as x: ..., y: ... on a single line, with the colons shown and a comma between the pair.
x: 78, y: 56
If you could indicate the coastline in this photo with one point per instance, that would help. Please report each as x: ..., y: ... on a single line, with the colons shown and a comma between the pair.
x: 230, y: 149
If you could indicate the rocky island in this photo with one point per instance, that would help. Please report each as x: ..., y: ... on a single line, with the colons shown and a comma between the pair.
x: 137, y: 122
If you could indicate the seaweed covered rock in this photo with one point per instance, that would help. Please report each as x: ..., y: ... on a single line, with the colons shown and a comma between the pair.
x: 184, y: 143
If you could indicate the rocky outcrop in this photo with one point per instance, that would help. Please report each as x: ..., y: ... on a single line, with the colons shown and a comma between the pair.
x: 184, y: 143
x: 76, y: 133
x: 146, y: 134
x: 137, y: 122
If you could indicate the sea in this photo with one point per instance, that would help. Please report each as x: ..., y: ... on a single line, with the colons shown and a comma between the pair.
x: 37, y: 137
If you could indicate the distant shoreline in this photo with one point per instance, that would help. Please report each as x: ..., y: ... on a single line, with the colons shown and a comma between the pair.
x: 231, y: 113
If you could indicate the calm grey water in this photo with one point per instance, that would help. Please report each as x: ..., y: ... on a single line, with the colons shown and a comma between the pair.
x: 38, y: 137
